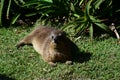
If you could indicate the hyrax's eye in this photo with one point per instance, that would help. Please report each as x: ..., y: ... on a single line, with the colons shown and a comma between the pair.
x: 52, y: 37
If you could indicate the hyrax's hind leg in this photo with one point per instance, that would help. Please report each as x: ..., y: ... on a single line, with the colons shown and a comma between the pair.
x: 25, y: 41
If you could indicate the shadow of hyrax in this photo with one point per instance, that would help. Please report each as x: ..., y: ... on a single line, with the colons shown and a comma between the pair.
x: 52, y: 44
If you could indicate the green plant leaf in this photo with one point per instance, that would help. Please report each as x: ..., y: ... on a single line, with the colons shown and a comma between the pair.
x: 17, y: 2
x: 72, y: 7
x: 91, y: 31
x: 22, y: 1
x: 98, y: 3
x: 102, y: 26
x: 94, y: 20
x: 76, y: 15
x: 81, y: 2
x: 15, y: 18
x: 48, y: 1
x: 38, y: 4
x: 1, y: 11
x: 30, y: 14
x: 8, y: 9
x: 81, y: 28
x: 68, y: 26
x: 87, y: 9
x: 117, y: 10
x: 30, y: 4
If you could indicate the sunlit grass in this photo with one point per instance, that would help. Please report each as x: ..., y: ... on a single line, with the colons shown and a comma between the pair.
x: 27, y: 64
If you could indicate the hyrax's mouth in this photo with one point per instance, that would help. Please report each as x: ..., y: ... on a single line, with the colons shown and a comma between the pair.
x: 56, y: 40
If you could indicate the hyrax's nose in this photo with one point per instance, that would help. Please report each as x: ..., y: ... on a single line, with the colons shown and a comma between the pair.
x: 56, y: 39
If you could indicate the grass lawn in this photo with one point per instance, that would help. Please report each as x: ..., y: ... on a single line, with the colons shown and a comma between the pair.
x: 26, y: 63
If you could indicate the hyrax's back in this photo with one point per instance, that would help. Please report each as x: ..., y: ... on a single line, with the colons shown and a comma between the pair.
x: 40, y: 39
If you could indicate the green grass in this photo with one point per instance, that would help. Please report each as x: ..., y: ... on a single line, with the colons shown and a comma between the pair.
x: 26, y: 63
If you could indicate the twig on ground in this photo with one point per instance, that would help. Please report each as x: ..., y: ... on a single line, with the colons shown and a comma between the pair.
x: 112, y: 27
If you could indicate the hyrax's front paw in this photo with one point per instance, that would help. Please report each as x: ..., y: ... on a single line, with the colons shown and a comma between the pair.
x: 52, y: 64
x: 69, y: 62
x: 20, y: 44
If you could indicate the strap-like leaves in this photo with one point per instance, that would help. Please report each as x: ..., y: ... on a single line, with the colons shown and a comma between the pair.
x: 15, y: 18
x: 1, y: 11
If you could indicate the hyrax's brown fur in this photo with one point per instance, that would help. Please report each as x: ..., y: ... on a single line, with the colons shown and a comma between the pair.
x: 52, y: 44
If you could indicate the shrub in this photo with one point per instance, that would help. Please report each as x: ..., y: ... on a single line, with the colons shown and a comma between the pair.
x: 75, y: 15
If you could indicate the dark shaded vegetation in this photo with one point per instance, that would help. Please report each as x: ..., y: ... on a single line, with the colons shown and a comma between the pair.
x: 80, y: 16
x: 5, y: 77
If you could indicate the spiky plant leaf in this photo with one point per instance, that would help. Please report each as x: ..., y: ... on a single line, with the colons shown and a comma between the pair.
x: 15, y: 18
x: 1, y: 11
x: 17, y: 2
x: 72, y: 7
x: 98, y: 3
x: 102, y: 26
x: 8, y: 9
x: 91, y: 31
x: 94, y: 20
x: 87, y: 9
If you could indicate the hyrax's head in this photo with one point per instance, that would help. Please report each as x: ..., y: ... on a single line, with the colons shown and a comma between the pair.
x: 58, y: 36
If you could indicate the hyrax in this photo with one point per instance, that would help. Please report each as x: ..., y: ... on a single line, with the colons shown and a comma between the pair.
x: 52, y: 44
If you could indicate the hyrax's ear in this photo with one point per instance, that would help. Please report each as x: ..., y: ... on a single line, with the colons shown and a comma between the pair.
x: 64, y: 33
